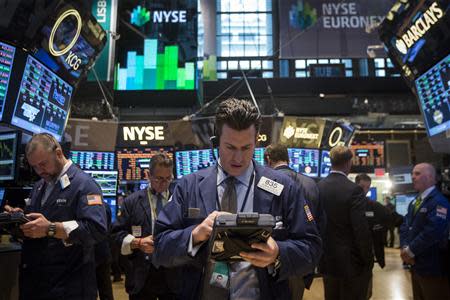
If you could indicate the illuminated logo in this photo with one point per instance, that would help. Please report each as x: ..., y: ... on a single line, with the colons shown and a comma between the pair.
x: 438, y: 117
x: 335, y: 137
x: 302, y: 15
x: 289, y: 132
x: 140, y: 16
x: 143, y: 133
x: 101, y: 11
x: 59, y: 52
x: 419, y: 28
x: 262, y: 138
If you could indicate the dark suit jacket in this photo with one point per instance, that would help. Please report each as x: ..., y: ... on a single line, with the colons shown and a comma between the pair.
x: 297, y: 239
x: 136, y: 211
x: 347, y: 239
x: 378, y: 217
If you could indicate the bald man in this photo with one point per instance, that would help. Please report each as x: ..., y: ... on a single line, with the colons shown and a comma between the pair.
x: 424, y: 235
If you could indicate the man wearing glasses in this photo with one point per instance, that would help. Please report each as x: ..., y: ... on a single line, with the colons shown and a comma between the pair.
x: 134, y: 233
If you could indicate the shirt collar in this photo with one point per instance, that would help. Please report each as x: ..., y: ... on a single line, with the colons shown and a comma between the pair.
x: 244, y: 178
x: 338, y: 172
x: 426, y: 192
x: 63, y: 171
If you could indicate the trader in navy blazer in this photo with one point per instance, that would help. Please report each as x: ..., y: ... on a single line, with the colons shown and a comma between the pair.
x: 185, y: 224
x: 67, y: 220
x: 134, y: 233
x: 424, y: 237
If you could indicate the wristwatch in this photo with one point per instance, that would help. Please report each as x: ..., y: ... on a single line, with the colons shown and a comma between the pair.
x: 51, y: 230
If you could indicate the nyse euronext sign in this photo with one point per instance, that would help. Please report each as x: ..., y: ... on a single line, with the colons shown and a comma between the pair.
x: 140, y: 16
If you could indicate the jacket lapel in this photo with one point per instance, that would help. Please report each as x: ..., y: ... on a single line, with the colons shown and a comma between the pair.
x: 57, y: 188
x: 208, y: 190
x: 262, y: 200
x: 145, y: 204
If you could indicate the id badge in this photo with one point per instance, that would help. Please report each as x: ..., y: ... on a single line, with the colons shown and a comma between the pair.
x: 220, y: 275
x: 136, y: 231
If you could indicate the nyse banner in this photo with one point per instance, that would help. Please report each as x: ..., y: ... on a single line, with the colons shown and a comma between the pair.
x: 329, y: 28
x: 90, y: 135
x: 302, y: 132
x: 143, y: 134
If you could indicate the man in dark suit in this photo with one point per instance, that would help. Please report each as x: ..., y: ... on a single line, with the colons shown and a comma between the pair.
x: 276, y: 156
x: 424, y: 237
x: 134, y: 233
x: 347, y: 260
x: 237, y: 184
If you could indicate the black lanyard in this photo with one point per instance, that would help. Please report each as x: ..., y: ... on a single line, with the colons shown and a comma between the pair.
x: 250, y: 185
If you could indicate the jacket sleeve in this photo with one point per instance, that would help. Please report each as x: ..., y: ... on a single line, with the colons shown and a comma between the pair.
x: 301, y: 251
x: 403, y: 229
x: 121, y: 228
x: 360, y: 225
x: 172, y: 234
x: 434, y: 231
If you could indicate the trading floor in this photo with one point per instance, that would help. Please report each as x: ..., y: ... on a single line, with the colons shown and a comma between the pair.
x: 390, y: 283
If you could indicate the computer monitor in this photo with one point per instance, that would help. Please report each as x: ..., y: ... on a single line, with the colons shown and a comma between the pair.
x: 2, y: 196
x: 90, y: 160
x: 325, y: 163
x: 112, y: 202
x: 305, y: 161
x: 132, y: 162
x: 402, y: 202
x: 7, y: 53
x: 107, y: 180
x: 258, y: 155
x: 190, y: 161
x: 367, y: 157
x: 9, y: 142
x: 43, y: 100
x: 372, y: 194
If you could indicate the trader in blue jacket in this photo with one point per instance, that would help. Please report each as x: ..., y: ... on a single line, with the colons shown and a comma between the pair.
x: 237, y: 184
x: 67, y: 219
x: 424, y: 237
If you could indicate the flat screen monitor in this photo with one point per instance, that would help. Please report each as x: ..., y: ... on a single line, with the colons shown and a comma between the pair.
x: 132, y: 162
x: 258, y: 155
x: 305, y: 161
x: 433, y: 90
x: 6, y: 64
x: 367, y: 157
x: 325, y: 163
x: 89, y: 160
x: 190, y: 161
x: 2, y: 195
x: 372, y: 194
x: 43, y: 100
x: 112, y: 202
x: 107, y: 180
x: 8, y: 154
x: 402, y: 202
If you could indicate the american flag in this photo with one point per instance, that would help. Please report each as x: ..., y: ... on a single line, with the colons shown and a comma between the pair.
x: 308, y: 213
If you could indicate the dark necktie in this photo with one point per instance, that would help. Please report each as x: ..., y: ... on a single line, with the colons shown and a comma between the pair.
x: 229, y: 198
x: 159, y: 203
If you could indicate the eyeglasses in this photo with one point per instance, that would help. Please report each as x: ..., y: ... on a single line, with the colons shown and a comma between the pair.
x: 162, y: 179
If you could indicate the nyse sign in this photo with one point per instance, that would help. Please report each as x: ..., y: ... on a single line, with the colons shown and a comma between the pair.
x: 143, y: 134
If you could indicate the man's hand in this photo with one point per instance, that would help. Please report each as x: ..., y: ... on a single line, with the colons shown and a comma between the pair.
x: 406, y: 258
x: 203, y: 231
x: 37, y: 228
x: 146, y: 244
x: 267, y: 254
x: 11, y: 209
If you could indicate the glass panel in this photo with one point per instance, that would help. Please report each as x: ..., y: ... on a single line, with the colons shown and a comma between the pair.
x: 380, y: 73
x: 256, y: 64
x: 348, y: 73
x: 267, y: 64
x: 335, y: 61
x: 379, y: 62
x: 300, y: 74
x: 284, y: 68
x: 221, y: 65
x: 347, y: 63
x: 300, y: 64
x: 363, y: 67
x: 233, y: 65
x: 222, y: 75
x: 323, y: 61
x: 267, y: 74
x: 311, y: 61
x: 389, y: 63
x: 244, y: 64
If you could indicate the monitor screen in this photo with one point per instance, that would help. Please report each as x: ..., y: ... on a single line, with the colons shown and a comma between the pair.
x: 372, y: 194
x: 187, y: 162
x: 367, y: 157
x: 402, y: 202
x: 112, y: 202
x: 433, y: 90
x: 88, y: 160
x: 258, y: 155
x: 325, y: 163
x: 6, y: 63
x: 43, y: 100
x: 132, y: 163
x: 8, y: 154
x: 305, y: 161
x: 107, y: 180
x: 2, y: 195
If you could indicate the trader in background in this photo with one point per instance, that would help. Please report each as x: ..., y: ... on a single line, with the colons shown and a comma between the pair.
x: 347, y: 260
x: 237, y: 184
x: 424, y: 237
x: 276, y: 156
x: 67, y: 220
x: 134, y: 233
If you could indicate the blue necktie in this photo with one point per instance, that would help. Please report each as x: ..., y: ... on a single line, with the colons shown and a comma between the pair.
x: 159, y: 203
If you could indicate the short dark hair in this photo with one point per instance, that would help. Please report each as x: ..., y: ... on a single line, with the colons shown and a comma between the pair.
x: 237, y: 114
x: 362, y: 177
x: 46, y: 140
x: 340, y: 155
x: 160, y: 159
x: 276, y: 153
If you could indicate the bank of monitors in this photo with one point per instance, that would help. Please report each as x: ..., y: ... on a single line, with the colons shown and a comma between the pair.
x: 367, y: 157
x: 433, y: 90
x: 190, y: 161
x: 90, y: 160
x: 325, y: 163
x: 305, y: 161
x: 43, y: 100
x: 107, y: 180
x: 7, y: 53
x: 402, y: 202
x: 9, y: 142
x: 132, y: 162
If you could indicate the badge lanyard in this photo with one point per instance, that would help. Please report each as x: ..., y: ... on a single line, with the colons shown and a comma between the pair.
x: 152, y: 208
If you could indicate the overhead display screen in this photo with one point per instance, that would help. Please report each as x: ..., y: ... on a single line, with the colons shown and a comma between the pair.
x: 43, y: 101
x: 8, y: 154
x: 158, y: 45
x: 107, y: 181
x: 367, y: 157
x: 132, y: 163
x: 433, y: 90
x: 305, y: 161
x: 88, y: 160
x: 187, y: 162
x: 325, y: 163
x: 6, y: 63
